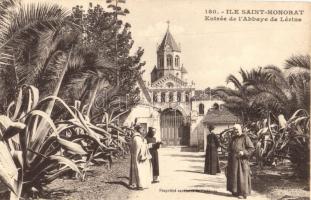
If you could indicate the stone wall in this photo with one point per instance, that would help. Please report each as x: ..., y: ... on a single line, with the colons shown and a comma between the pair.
x: 145, y: 115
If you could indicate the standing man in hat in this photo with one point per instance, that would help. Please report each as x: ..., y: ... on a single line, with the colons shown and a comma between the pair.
x: 211, y: 156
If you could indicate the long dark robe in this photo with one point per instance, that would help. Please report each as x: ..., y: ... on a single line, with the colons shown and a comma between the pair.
x: 154, y: 153
x: 211, y: 156
x: 238, y: 170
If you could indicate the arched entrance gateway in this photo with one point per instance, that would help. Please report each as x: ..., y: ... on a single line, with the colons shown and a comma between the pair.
x: 175, y: 128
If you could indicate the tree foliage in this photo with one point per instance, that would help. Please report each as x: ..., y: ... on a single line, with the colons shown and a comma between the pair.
x: 274, y: 106
x: 269, y: 89
x: 105, y: 31
x: 45, y: 49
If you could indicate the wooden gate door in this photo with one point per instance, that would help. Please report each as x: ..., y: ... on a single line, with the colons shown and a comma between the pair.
x: 171, y: 127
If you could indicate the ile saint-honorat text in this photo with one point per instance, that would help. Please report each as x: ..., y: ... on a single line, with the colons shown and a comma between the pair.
x: 264, y: 12
x: 254, y: 12
x: 254, y: 15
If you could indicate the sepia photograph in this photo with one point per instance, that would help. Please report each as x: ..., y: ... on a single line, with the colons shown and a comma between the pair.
x: 154, y: 99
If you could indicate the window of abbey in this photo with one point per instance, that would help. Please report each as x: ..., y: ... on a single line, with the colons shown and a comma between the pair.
x: 177, y: 61
x: 201, y: 109
x: 169, y: 61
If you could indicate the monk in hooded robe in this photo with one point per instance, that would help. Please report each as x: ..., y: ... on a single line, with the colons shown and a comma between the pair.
x: 141, y: 168
x: 238, y: 170
x: 153, y: 147
x: 211, y: 156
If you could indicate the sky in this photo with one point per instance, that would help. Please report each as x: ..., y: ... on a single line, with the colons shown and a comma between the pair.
x: 213, y: 50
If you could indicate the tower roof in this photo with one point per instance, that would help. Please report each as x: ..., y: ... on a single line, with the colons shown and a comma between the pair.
x: 169, y: 40
x: 183, y: 70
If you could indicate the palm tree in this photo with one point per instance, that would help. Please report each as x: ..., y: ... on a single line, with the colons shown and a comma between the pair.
x: 297, y: 72
x: 80, y: 80
x: 23, y: 28
x: 272, y: 90
x: 21, y: 23
x: 298, y: 65
x: 269, y: 89
x: 238, y: 100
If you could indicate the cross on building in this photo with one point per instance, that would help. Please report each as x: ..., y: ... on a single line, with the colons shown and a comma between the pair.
x: 168, y: 24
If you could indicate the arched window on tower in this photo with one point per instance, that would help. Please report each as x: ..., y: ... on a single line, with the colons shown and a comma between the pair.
x: 161, y: 62
x: 162, y: 97
x: 178, y: 96
x: 171, y: 97
x: 201, y: 109
x: 169, y: 61
x: 176, y: 61
x: 155, y: 98
x: 187, y: 96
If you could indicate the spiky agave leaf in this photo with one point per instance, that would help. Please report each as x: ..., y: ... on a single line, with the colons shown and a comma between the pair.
x: 71, y: 146
x: 8, y: 170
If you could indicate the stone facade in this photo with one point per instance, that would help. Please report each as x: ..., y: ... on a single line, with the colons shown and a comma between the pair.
x: 169, y: 86
x: 170, y: 90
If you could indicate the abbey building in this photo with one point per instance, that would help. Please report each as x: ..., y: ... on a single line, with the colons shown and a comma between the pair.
x: 172, y: 105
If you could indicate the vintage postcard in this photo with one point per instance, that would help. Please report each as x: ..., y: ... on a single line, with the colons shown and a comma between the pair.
x: 155, y: 99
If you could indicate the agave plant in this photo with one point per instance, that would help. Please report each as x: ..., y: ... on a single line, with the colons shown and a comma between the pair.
x: 282, y: 139
x: 31, y: 157
x: 294, y: 141
x: 102, y: 142
x: 286, y: 139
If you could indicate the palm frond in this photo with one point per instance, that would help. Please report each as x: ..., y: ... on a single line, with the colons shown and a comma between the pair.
x: 301, y: 90
x: 276, y: 75
x: 298, y: 61
x: 266, y: 100
x: 48, y: 80
x: 228, y: 91
x: 232, y: 79
x: 29, y: 20
x: 282, y: 94
x: 244, y: 75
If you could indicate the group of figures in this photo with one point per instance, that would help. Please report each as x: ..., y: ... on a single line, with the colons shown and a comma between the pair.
x: 144, y: 167
x: 238, y: 170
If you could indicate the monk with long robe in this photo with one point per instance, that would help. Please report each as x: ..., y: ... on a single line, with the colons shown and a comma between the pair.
x: 238, y: 170
x: 153, y: 147
x: 211, y: 156
x: 141, y: 168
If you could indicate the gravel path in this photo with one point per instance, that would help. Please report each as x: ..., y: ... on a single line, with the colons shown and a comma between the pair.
x: 100, y: 184
x: 182, y: 178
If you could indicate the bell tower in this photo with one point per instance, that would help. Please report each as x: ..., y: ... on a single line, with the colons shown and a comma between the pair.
x: 168, y: 59
x: 168, y: 56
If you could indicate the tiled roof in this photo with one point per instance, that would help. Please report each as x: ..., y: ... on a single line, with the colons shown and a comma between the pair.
x: 222, y: 116
x: 169, y: 40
